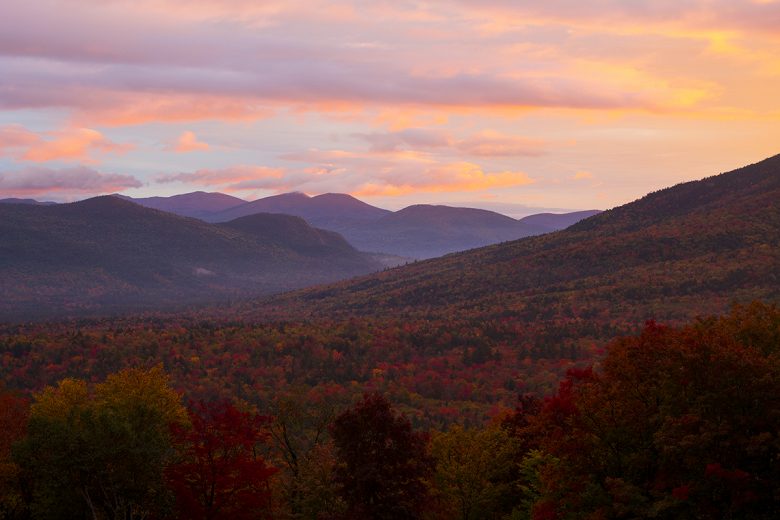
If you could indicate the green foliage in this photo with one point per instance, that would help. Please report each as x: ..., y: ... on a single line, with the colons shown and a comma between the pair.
x: 476, y: 471
x: 101, y: 454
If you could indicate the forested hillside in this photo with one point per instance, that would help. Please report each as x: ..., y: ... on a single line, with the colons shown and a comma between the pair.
x: 107, y: 255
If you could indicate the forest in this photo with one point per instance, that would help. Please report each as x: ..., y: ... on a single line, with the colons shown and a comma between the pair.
x: 669, y: 422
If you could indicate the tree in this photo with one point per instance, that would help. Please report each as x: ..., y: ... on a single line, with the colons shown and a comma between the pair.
x: 300, y: 433
x: 382, y: 463
x: 101, y: 453
x: 14, y: 412
x: 220, y: 474
x: 476, y: 471
x: 679, y: 423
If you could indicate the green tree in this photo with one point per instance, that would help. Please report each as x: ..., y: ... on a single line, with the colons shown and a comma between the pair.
x: 476, y: 471
x: 100, y: 454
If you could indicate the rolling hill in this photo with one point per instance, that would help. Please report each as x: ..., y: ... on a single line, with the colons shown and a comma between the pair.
x: 680, y: 252
x: 106, y: 254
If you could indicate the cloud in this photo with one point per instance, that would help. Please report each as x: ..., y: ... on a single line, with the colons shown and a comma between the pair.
x: 488, y: 143
x: 72, y: 144
x: 63, y: 182
x: 188, y: 142
x: 415, y: 138
x: 454, y: 177
x: 494, y: 144
x: 191, y: 67
x: 582, y: 176
x: 227, y: 177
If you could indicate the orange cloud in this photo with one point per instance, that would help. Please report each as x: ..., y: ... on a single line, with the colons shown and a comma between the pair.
x: 76, y: 144
x: 453, y: 177
x: 188, y: 142
x: 582, y: 176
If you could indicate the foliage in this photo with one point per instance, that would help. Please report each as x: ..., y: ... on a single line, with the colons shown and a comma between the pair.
x: 680, y: 423
x: 14, y: 411
x: 219, y: 473
x: 382, y: 463
x: 476, y: 471
x: 101, y: 454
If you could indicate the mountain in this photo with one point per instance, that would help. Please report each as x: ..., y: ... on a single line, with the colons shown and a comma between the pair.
x: 322, y: 211
x: 674, y: 254
x: 198, y: 204
x: 106, y: 254
x: 426, y: 231
x: 416, y: 232
x: 419, y: 231
x: 32, y: 202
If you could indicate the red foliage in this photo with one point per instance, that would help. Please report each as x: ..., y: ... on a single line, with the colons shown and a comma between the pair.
x: 221, y: 474
x: 383, y: 462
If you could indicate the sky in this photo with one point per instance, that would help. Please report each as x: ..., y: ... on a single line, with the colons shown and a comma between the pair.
x: 508, y: 105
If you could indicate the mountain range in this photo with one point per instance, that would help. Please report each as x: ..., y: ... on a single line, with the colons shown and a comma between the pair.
x: 687, y: 250
x: 419, y: 231
x: 416, y: 232
x: 105, y: 254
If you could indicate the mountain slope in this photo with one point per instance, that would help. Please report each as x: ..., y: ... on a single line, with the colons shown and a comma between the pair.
x: 294, y: 232
x: 683, y: 251
x: 107, y: 253
x: 198, y: 204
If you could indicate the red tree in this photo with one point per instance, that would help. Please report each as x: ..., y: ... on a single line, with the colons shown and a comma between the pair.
x: 383, y: 463
x: 221, y: 475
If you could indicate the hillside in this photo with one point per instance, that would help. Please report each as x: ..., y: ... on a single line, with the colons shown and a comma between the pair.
x: 676, y: 253
x: 198, y: 204
x: 294, y: 232
x: 106, y: 253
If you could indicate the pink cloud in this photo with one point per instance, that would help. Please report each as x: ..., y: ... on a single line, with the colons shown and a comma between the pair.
x: 495, y: 144
x: 226, y: 177
x: 188, y: 142
x: 63, y: 182
x: 488, y: 143
x: 78, y: 144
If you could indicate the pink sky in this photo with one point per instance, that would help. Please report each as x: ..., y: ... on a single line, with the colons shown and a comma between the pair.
x: 497, y: 103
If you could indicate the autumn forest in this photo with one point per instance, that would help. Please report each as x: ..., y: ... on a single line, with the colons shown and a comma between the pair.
x: 625, y: 367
